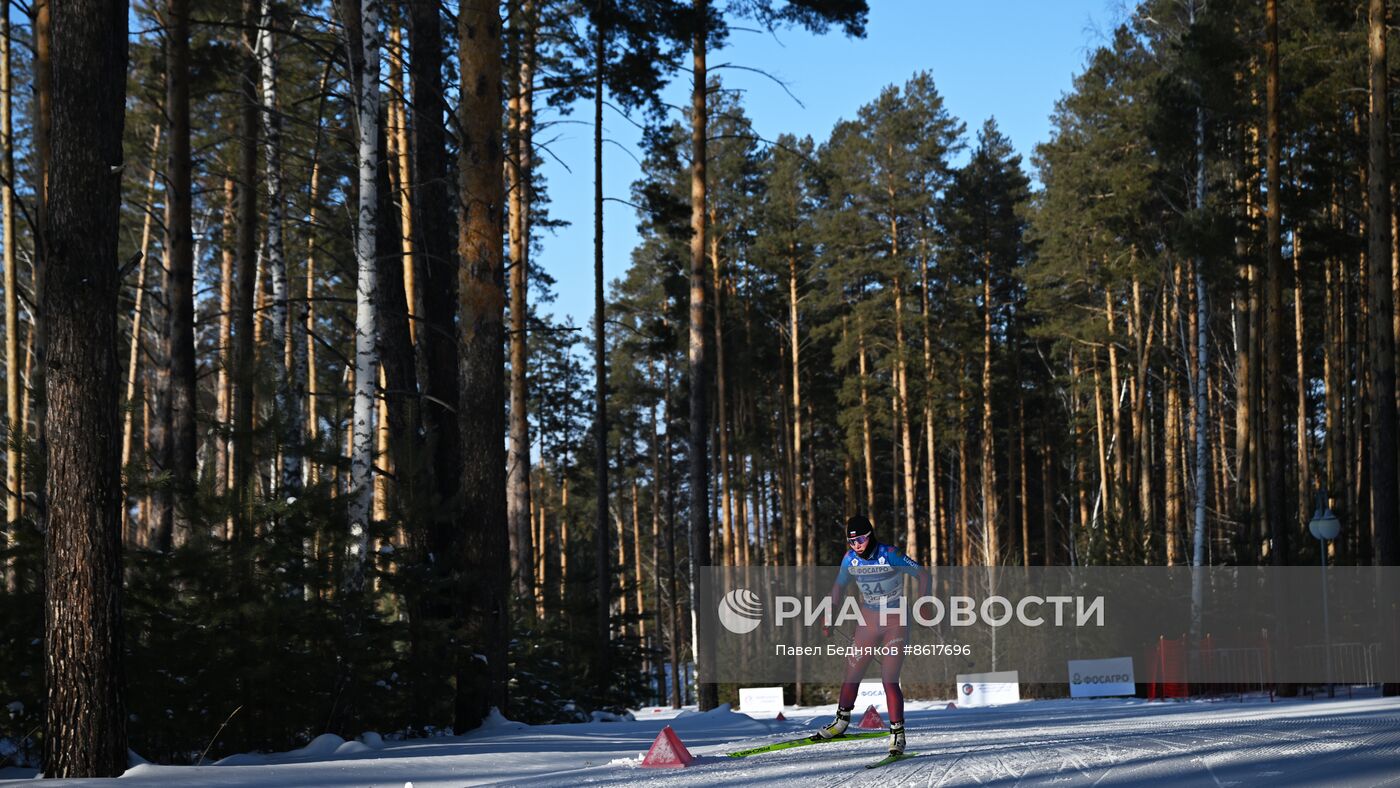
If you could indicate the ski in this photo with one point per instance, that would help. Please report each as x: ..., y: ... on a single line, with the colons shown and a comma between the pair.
x: 889, y: 759
x: 804, y: 741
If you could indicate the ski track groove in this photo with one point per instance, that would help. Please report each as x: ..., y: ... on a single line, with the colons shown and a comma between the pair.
x: 1225, y: 748
x: 1110, y: 746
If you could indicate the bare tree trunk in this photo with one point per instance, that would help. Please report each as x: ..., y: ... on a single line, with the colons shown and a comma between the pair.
x: 602, y: 570
x: 1385, y: 503
x: 726, y: 481
x: 401, y: 175
x: 519, y: 163
x: 365, y: 44
x: 795, y: 356
x: 482, y: 341
x: 133, y: 349
x: 964, y: 484
x: 247, y: 255
x: 1116, y: 412
x: 1279, y: 527
x: 699, y: 367
x: 1304, y: 465
x: 305, y: 357
x: 866, y: 432
x: 288, y: 405
x: 79, y: 285
x: 935, y: 521
x: 41, y: 12
x: 224, y: 381
x: 14, y: 430
x: 906, y: 431
x: 432, y: 197
x: 990, y: 515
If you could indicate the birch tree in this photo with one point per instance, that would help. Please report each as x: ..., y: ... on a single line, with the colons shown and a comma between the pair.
x: 363, y: 30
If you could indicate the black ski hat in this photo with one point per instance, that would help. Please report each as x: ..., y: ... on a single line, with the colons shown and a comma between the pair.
x: 858, y: 526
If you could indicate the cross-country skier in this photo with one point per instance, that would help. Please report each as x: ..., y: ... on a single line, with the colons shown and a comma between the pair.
x: 879, y: 571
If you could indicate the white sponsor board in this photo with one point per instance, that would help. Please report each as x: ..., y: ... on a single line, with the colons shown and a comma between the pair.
x: 988, y: 689
x: 761, y: 700
x: 1097, y: 678
x: 872, y: 693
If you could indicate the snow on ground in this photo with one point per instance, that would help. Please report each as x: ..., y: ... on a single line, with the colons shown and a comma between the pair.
x: 1066, y: 742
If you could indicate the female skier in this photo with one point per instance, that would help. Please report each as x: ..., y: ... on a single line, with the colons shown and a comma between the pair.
x: 879, y: 571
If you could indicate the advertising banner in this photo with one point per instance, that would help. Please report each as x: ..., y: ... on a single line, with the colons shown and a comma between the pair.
x: 765, y: 701
x: 1101, y: 678
x: 988, y: 689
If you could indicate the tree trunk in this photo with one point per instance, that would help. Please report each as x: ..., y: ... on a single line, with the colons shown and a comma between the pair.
x: 906, y: 430
x: 519, y: 161
x: 1385, y: 505
x: 481, y: 338
x: 795, y: 357
x: 305, y: 365
x: 432, y: 198
x: 364, y: 42
x: 401, y: 175
x: 288, y: 405
x: 964, y: 484
x: 935, y: 522
x: 133, y: 348
x: 247, y: 278
x: 1278, y: 520
x: 223, y: 382
x: 867, y: 444
x: 79, y: 285
x: 180, y: 246
x: 990, y: 516
x: 726, y: 481
x: 14, y: 430
x: 1305, y: 481
x: 400, y: 401
x: 602, y: 571
x: 699, y: 368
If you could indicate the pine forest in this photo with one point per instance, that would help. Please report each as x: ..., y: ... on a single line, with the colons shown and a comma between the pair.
x: 295, y: 443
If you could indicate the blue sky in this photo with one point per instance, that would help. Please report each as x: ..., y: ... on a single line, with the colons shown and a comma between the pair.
x: 1011, y: 59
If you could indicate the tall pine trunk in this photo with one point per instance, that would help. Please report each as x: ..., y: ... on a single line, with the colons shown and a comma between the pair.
x: 247, y: 263
x: 432, y: 197
x: 800, y: 524
x: 1385, y: 506
x: 1279, y: 525
x: 179, y: 239
x: 134, y: 347
x: 14, y: 430
x: 481, y: 337
x: 519, y: 162
x: 79, y: 284
x: 602, y: 679
x: 699, y: 367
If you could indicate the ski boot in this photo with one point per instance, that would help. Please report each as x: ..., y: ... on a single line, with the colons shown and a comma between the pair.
x: 837, y: 727
x: 896, y: 738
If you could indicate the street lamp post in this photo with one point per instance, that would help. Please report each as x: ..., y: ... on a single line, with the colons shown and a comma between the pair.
x: 1325, y: 526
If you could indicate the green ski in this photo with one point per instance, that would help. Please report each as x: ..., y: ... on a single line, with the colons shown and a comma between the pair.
x: 889, y: 759
x: 804, y: 741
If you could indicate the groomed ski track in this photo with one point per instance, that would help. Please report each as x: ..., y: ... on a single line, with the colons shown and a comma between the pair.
x: 1246, y: 742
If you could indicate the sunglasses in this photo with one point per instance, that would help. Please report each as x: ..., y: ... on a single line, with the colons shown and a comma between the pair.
x: 858, y: 540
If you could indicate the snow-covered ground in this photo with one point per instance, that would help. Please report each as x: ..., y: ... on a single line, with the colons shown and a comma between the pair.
x: 1098, y: 742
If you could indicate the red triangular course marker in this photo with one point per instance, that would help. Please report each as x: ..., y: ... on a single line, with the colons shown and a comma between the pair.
x: 780, y: 717
x: 871, y: 719
x: 667, y: 750
x: 951, y: 705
